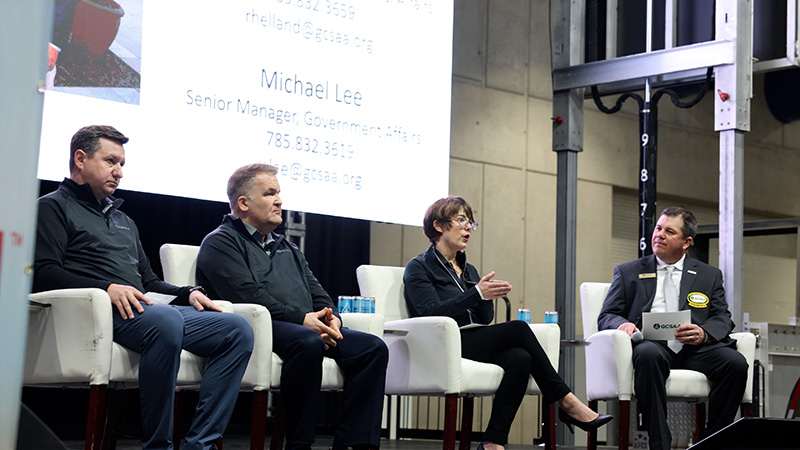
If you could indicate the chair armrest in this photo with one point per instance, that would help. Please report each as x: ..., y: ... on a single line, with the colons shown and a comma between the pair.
x: 259, y: 369
x: 609, y: 366
x: 424, y: 356
x: 549, y: 336
x: 746, y: 345
x: 69, y: 341
x: 225, y: 305
x: 365, y: 322
x: 508, y: 308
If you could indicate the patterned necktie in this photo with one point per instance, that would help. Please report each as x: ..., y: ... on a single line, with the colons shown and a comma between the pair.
x: 671, y: 300
x: 670, y: 291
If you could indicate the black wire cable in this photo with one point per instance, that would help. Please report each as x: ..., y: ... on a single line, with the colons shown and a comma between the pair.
x: 656, y: 97
x: 676, y: 99
x: 599, y: 102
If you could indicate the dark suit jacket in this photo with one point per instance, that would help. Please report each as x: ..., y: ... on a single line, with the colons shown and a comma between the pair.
x: 634, y: 286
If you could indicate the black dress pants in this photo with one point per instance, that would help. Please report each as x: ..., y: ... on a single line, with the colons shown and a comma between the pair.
x: 725, y: 368
x: 514, y: 347
x: 361, y: 356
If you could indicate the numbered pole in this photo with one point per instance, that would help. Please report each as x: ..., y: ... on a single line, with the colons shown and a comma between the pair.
x: 647, y: 176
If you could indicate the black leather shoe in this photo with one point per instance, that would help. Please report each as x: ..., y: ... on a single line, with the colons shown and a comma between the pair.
x: 598, y: 422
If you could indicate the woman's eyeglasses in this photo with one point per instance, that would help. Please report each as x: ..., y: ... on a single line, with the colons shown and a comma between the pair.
x: 464, y: 223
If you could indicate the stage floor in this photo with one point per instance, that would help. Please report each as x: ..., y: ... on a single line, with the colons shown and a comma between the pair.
x: 239, y: 442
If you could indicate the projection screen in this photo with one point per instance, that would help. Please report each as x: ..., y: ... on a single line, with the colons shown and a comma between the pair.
x: 350, y: 100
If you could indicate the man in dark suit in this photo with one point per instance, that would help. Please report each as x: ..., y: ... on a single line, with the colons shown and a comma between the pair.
x: 669, y: 280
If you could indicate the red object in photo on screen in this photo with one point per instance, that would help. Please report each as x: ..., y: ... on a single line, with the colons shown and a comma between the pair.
x: 95, y: 25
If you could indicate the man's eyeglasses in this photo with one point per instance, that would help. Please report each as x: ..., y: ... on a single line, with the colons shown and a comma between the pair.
x: 463, y: 222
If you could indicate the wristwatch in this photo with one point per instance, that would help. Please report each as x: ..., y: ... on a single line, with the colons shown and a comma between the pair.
x: 198, y: 288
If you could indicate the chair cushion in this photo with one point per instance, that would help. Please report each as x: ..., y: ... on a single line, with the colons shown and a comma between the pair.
x: 125, y: 367
x: 479, y: 378
x: 687, y: 383
x: 332, y: 376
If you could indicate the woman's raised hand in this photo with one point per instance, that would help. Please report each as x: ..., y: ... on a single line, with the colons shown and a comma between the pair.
x: 492, y: 289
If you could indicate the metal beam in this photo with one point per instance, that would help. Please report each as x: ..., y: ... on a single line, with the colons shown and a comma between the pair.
x: 643, y: 65
x: 756, y: 228
x: 566, y: 256
x: 658, y: 81
x: 731, y: 214
x: 734, y: 84
x: 567, y: 50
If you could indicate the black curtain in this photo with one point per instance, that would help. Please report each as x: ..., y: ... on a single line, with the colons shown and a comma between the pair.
x: 334, y: 247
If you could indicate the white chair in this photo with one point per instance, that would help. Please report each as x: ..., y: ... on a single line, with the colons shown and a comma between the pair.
x: 609, y: 368
x: 179, y: 263
x: 264, y: 370
x: 425, y: 356
x: 70, y: 344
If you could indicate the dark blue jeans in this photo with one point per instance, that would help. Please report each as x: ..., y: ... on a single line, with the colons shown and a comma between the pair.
x: 159, y: 334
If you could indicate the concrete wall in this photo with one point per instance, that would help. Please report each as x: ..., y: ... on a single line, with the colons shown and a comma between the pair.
x: 502, y: 162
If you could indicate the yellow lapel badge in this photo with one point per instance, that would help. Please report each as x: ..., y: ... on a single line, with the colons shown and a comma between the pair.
x: 646, y: 275
x: 697, y: 300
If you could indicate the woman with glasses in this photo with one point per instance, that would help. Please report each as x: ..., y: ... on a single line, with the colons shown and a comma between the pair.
x: 440, y: 282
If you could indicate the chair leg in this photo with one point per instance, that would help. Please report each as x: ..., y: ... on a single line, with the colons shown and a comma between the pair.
x: 699, y: 420
x: 549, y: 427
x: 450, y: 413
x: 96, y: 417
x: 624, y: 423
x: 467, y: 407
x: 258, y: 422
x: 114, y: 407
x: 591, y: 436
x: 276, y: 440
x: 747, y: 410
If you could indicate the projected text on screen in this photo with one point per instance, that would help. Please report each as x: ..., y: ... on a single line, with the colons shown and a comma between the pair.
x: 351, y: 101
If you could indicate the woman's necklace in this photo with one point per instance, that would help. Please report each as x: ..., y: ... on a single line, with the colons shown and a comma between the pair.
x: 455, y: 266
x: 448, y: 271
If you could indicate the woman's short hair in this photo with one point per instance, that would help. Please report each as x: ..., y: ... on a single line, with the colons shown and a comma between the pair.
x: 241, y: 181
x: 443, y: 210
